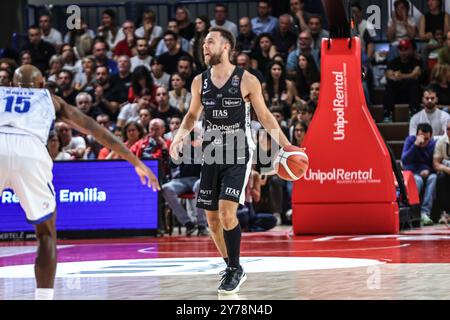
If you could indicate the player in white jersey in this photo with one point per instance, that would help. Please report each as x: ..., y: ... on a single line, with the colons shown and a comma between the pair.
x: 26, y: 115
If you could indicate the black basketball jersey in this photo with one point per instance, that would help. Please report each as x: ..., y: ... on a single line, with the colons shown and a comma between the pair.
x: 227, y: 115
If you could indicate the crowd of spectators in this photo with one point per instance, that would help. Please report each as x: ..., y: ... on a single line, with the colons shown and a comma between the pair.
x: 135, y: 79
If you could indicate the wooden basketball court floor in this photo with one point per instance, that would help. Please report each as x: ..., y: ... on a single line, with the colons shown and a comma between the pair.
x: 412, y: 265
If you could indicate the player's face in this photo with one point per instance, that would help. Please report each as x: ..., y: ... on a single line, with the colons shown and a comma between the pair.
x: 213, y: 48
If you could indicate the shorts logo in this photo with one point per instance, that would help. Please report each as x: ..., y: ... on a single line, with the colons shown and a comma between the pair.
x: 208, y: 103
x: 235, y: 81
x: 220, y: 114
x: 231, y: 102
x: 206, y: 192
x: 232, y: 192
x: 45, y: 205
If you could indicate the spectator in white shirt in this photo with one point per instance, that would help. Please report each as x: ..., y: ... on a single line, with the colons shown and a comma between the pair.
x: 109, y: 30
x: 220, y: 19
x: 143, y: 57
x: 149, y: 29
x: 49, y: 34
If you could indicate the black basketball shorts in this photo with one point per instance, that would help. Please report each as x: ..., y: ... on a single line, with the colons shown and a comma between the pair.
x: 222, y: 181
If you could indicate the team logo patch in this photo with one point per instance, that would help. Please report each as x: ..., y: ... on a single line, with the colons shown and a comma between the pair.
x: 235, y: 81
x: 231, y: 102
x: 233, y: 90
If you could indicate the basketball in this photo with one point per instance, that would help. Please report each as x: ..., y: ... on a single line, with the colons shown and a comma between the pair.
x: 291, y: 163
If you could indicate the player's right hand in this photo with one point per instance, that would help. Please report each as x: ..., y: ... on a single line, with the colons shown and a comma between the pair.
x: 176, y: 148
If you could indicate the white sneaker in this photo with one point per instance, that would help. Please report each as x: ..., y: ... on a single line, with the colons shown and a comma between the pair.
x: 425, y: 220
x: 444, y: 218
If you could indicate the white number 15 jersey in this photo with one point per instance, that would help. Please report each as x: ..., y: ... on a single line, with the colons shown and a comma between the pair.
x: 26, y: 111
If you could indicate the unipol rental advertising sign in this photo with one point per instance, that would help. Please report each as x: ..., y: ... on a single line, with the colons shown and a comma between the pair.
x: 349, y: 186
x: 91, y: 196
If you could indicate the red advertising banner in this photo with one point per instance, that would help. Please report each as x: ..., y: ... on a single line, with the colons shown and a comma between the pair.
x: 349, y: 187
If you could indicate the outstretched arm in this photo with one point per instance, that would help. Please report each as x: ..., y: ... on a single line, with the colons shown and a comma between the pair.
x: 87, y: 125
x: 195, y: 109
x: 252, y: 88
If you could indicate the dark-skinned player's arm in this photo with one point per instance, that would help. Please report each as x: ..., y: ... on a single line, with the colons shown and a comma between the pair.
x: 87, y: 125
x: 252, y: 88
x: 193, y: 114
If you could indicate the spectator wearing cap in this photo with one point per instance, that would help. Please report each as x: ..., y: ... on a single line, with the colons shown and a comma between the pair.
x: 417, y: 156
x: 264, y: 22
x: 402, y: 76
x: 220, y: 19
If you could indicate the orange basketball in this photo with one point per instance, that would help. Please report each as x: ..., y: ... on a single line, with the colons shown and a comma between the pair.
x: 291, y: 163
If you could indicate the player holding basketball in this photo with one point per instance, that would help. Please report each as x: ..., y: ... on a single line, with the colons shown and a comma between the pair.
x: 225, y: 92
x: 26, y: 114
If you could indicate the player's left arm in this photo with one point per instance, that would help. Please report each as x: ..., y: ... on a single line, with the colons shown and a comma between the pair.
x: 87, y: 125
x: 251, y: 88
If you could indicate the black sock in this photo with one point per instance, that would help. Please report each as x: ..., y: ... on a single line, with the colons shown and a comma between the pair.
x: 233, y: 243
x: 226, y: 260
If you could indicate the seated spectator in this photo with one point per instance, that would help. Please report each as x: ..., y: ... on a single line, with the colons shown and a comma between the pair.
x: 264, y: 22
x: 149, y: 29
x: 174, y: 125
x: 400, y: 26
x: 107, y: 96
x: 40, y: 51
x: 246, y: 40
x: 249, y: 220
x: 69, y: 59
x: 109, y: 30
x: 170, y: 58
x: 304, y: 47
x: 278, y: 113
x: 54, y: 147
x: 305, y: 113
x: 441, y: 162
x: 85, y: 80
x: 164, y: 110
x: 100, y: 50
x: 160, y: 78
x: 402, y: 76
x: 5, y: 78
x: 123, y: 78
x: 201, y: 30
x: 130, y: 111
x: 444, y: 53
x: 433, y: 46
x: 25, y: 57
x: 417, y: 156
x: 430, y: 114
x: 49, y: 34
x: 364, y: 29
x: 180, y: 42
x: 306, y: 74
x: 243, y: 61
x: 80, y: 39
x: 317, y: 32
x: 220, y: 19
x: 185, y: 69
x: 185, y: 178
x: 65, y: 89
x: 143, y: 57
x: 56, y: 64
x: 179, y: 97
x: 435, y: 19
x: 131, y: 133
x: 144, y: 118
x: 440, y: 82
x: 141, y: 79
x: 284, y: 38
x: 277, y: 90
x: 299, y: 131
x: 299, y: 15
x: 75, y: 146
x: 8, y: 64
x: 127, y: 46
x: 106, y: 153
x: 313, y: 98
x: 264, y: 52
x: 185, y: 26
x: 84, y: 103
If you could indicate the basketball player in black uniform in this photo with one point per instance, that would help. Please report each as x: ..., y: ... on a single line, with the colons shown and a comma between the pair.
x: 225, y: 92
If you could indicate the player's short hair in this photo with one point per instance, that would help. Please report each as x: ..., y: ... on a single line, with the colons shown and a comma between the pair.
x: 226, y: 34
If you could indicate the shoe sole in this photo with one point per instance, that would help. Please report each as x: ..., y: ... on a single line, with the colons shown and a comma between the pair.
x: 235, y: 290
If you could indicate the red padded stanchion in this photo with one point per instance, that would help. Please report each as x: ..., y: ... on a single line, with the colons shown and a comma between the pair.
x: 349, y: 186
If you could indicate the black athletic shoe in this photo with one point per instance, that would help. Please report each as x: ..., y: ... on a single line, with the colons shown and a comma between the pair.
x: 232, y: 279
x: 202, y: 231
x: 190, y: 228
